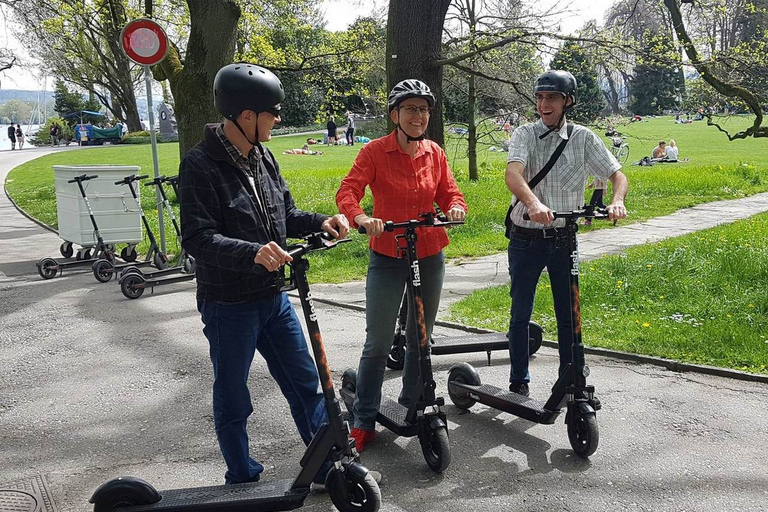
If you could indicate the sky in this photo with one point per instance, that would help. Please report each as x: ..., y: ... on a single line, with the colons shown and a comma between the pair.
x: 339, y: 15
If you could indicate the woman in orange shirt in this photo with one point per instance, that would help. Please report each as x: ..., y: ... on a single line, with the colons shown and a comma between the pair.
x: 407, y: 174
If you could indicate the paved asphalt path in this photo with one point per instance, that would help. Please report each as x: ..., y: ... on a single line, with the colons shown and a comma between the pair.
x: 93, y: 386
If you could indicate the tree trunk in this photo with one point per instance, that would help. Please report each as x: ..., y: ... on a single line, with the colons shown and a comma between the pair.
x: 414, y: 42
x: 211, y: 46
x: 472, y: 129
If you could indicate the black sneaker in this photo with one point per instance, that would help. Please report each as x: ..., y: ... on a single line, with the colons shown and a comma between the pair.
x: 521, y: 388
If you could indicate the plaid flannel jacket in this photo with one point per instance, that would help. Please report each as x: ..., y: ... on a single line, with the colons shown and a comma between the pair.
x: 220, y: 222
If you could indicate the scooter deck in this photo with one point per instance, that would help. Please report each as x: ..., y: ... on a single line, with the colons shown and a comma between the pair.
x: 164, y: 272
x: 470, y: 343
x: 513, y: 403
x: 391, y: 414
x: 259, y: 497
x: 152, y: 281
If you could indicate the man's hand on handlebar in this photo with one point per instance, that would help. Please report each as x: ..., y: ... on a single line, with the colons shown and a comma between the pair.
x: 373, y: 227
x: 271, y: 256
x: 337, y: 226
x: 617, y: 210
x: 540, y: 213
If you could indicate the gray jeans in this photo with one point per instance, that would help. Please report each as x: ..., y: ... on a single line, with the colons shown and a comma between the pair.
x: 383, y: 290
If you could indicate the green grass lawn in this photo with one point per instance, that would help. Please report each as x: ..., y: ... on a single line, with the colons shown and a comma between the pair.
x: 718, y: 170
x: 699, y: 298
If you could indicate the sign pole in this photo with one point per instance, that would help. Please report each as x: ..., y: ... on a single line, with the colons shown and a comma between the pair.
x: 153, y: 139
x: 145, y: 43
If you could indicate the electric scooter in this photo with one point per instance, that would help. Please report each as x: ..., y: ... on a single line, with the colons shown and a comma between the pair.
x: 425, y: 417
x: 350, y: 486
x: 486, y: 342
x: 184, y: 262
x: 103, y: 269
x: 48, y: 268
x: 570, y: 391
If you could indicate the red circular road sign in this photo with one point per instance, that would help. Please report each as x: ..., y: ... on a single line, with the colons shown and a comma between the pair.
x: 144, y: 42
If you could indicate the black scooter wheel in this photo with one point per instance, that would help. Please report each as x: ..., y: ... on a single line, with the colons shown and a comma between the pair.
x: 189, y: 265
x: 128, y: 285
x: 462, y: 374
x: 46, y: 267
x: 66, y: 249
x: 362, y: 492
x: 583, y: 433
x: 349, y: 384
x: 535, y: 337
x: 103, y: 271
x: 87, y: 254
x: 130, y: 254
x: 437, y: 449
x: 396, y: 358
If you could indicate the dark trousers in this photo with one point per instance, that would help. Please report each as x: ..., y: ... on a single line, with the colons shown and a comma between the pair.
x: 350, y: 136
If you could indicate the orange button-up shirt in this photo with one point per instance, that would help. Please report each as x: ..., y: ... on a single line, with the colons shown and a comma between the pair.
x: 402, y: 189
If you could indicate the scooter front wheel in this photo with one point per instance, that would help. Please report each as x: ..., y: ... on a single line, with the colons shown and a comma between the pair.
x: 349, y: 384
x: 47, y: 268
x: 436, y: 449
x: 353, y: 490
x: 535, y: 337
x: 583, y: 433
x: 396, y: 358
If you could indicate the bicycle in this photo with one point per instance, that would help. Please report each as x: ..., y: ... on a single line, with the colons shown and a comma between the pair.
x: 620, y: 148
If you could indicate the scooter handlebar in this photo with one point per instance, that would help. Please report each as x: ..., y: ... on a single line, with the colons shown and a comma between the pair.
x: 82, y: 177
x: 159, y: 179
x: 319, y: 241
x: 435, y: 222
x: 131, y: 179
x: 596, y: 213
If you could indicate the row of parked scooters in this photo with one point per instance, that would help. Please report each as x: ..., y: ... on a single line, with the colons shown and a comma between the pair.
x: 102, y: 260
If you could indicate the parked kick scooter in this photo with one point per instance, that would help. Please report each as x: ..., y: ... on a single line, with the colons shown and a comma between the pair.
x: 48, y: 268
x: 424, y: 418
x: 184, y: 262
x: 349, y: 484
x: 570, y: 390
x: 457, y: 344
x: 103, y: 269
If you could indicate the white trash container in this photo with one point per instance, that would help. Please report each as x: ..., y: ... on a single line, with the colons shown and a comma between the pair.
x: 109, y: 203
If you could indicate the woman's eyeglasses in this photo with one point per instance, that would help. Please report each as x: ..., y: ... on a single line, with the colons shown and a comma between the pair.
x: 411, y: 110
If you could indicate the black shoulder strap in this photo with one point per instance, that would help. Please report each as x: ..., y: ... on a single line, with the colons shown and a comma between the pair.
x: 540, y: 175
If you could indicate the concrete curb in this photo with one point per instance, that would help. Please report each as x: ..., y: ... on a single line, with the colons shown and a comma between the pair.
x: 39, y: 223
x: 669, y: 364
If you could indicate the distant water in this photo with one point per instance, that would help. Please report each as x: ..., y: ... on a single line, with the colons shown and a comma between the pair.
x: 5, y: 142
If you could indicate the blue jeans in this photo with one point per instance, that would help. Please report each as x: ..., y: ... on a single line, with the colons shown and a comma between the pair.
x: 527, y: 259
x: 384, y: 286
x: 235, y: 330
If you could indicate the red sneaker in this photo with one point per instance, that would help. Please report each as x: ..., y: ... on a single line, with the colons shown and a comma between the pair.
x: 362, y: 437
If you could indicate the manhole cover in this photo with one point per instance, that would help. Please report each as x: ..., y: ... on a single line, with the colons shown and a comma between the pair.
x: 18, y: 501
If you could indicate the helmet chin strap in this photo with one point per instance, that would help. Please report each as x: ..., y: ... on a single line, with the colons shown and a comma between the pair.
x: 408, y: 138
x: 256, y: 133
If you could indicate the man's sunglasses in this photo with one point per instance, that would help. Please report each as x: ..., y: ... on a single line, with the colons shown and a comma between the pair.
x: 275, y: 111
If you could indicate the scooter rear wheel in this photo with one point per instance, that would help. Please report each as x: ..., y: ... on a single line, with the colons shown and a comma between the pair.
x: 362, y: 492
x: 46, y: 267
x: 349, y: 384
x: 462, y: 374
x: 535, y: 337
x: 583, y: 433
x: 437, y: 449
x: 103, y: 271
x: 66, y: 249
x: 129, y: 288
x: 160, y: 260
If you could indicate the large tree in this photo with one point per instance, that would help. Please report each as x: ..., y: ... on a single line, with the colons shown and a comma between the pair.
x: 572, y: 57
x: 79, y: 42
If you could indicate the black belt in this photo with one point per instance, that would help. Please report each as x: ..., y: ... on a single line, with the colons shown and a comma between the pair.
x: 539, y: 233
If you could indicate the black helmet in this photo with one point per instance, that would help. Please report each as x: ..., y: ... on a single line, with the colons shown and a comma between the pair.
x: 557, y: 81
x: 410, y: 88
x: 244, y: 86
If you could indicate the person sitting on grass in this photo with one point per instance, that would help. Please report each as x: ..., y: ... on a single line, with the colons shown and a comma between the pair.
x: 659, y: 151
x: 672, y: 151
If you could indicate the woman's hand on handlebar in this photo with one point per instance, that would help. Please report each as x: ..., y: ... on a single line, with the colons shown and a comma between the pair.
x: 373, y: 227
x: 456, y: 214
x: 271, y: 256
x: 337, y: 226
